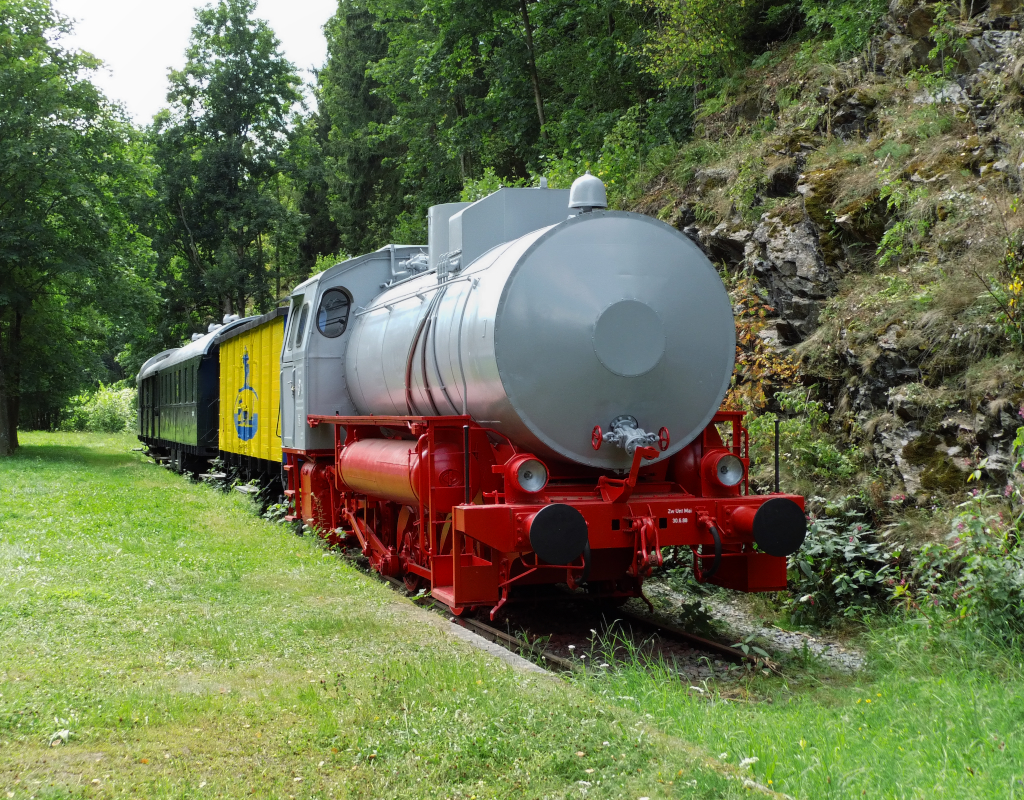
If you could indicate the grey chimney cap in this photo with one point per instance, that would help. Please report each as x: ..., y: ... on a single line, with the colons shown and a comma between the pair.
x: 587, y: 192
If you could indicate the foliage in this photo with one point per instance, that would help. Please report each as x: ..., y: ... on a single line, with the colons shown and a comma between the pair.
x: 841, y: 571
x: 761, y: 371
x: 698, y: 40
x: 745, y: 191
x: 847, y: 24
x: 1008, y: 288
x: 805, y: 446
x: 420, y: 102
x: 75, y: 277
x: 108, y: 409
x: 905, y: 234
x: 977, y: 574
x: 949, y: 39
x: 223, y: 224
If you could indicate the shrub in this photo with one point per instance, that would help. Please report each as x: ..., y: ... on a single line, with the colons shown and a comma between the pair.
x: 977, y: 574
x: 806, y: 448
x: 108, y: 409
x: 841, y: 571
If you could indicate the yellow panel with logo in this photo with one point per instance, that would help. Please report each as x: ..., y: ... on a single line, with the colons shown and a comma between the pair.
x: 250, y: 388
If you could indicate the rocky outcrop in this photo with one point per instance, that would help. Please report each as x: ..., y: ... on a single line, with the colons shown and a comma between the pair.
x: 785, y: 256
x: 889, y: 359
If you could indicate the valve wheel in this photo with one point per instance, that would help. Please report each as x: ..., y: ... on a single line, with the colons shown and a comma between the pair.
x: 596, y: 437
x: 664, y: 440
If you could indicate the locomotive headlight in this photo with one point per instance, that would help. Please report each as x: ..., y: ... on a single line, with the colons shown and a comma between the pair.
x: 728, y: 470
x: 530, y: 475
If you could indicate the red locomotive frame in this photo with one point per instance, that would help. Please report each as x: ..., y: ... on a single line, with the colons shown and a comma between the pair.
x: 469, y: 543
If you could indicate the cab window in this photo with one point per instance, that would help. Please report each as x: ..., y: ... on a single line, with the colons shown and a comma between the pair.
x: 300, y: 329
x: 332, y: 315
x: 293, y: 318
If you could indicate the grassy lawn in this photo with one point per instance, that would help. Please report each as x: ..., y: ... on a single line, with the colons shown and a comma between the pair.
x: 192, y: 650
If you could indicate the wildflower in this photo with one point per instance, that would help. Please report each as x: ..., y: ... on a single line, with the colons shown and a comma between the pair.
x: 723, y: 756
x: 1008, y: 490
x: 572, y: 647
x: 749, y: 762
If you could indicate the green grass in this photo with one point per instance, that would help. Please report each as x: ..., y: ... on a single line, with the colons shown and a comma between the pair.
x: 939, y: 713
x: 194, y: 650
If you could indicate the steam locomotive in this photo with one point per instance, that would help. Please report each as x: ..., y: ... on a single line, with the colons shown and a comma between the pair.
x: 532, y: 398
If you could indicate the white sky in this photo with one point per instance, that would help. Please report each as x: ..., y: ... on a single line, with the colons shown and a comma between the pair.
x: 139, y: 40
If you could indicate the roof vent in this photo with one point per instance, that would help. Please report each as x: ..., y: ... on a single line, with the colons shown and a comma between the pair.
x: 229, y: 318
x: 196, y: 337
x: 587, y: 193
x: 213, y: 326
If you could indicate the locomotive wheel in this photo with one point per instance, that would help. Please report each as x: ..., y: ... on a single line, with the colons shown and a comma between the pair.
x: 412, y: 582
x: 602, y: 592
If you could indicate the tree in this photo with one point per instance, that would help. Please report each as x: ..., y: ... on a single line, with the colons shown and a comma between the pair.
x: 70, y: 257
x: 421, y: 96
x: 220, y: 205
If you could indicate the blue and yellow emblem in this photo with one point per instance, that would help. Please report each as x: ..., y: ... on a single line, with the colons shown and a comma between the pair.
x: 247, y: 418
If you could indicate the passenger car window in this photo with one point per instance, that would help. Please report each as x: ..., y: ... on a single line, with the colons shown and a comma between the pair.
x: 301, y: 327
x: 332, y: 316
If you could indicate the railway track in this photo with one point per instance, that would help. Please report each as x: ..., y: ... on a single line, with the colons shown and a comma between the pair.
x: 633, y: 632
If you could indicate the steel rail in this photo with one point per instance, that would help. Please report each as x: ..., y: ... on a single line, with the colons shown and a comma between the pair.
x: 521, y: 646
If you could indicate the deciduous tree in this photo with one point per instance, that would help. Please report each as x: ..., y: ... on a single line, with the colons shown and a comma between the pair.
x: 220, y: 150
x: 69, y: 254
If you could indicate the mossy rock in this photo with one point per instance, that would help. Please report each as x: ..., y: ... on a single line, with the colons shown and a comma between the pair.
x: 943, y: 476
x: 940, y: 474
x: 788, y: 214
x: 865, y: 217
x: 822, y: 184
x: 922, y: 450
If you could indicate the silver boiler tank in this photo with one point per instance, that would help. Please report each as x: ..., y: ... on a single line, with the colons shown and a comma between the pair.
x: 604, y: 316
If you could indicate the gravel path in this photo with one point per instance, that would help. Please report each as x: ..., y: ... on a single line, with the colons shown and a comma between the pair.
x: 738, y: 623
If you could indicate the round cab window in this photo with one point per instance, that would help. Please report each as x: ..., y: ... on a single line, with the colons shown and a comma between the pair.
x: 332, y: 316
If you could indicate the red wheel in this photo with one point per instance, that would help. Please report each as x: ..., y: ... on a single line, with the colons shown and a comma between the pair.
x: 664, y: 440
x: 412, y: 582
x: 596, y: 437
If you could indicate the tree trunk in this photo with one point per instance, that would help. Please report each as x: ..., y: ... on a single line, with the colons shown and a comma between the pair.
x: 533, y: 67
x: 5, y: 434
x: 13, y: 387
x: 8, y: 423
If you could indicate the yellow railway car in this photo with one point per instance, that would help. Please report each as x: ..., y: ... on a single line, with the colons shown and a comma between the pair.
x: 250, y: 396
